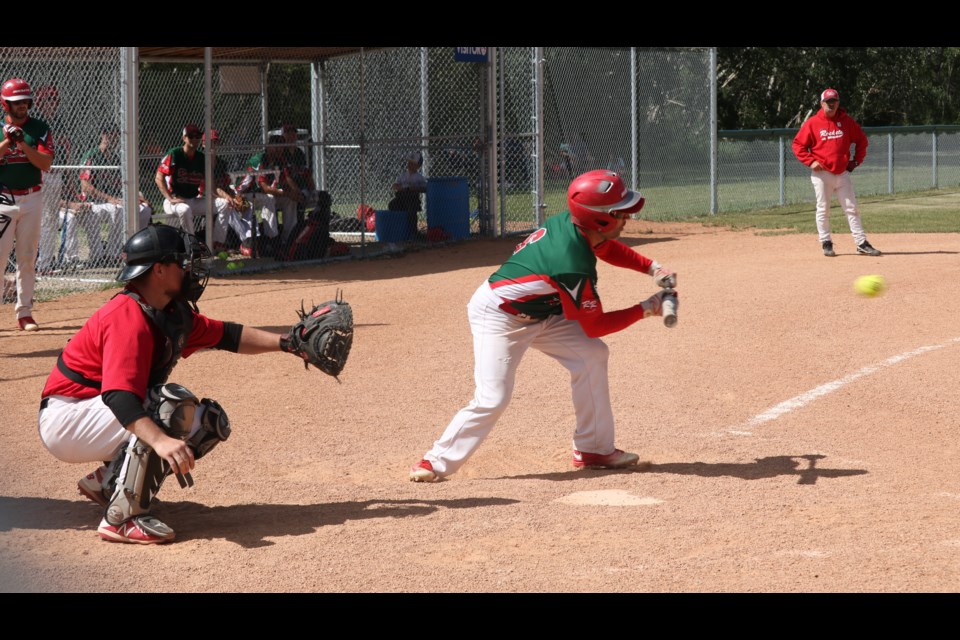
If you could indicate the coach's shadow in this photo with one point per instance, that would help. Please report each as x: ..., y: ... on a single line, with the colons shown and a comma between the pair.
x: 769, y: 467
x: 248, y: 525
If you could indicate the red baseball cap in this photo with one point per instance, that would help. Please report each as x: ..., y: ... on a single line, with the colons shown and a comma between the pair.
x: 829, y: 94
x: 192, y: 130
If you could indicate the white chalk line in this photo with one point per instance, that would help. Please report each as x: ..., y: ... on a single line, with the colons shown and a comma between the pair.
x: 804, y: 399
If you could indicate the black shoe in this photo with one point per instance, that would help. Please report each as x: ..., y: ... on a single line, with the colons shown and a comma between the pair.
x: 867, y: 250
x: 828, y: 249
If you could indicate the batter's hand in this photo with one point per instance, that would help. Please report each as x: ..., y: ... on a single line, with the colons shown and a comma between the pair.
x: 664, y: 278
x: 13, y: 133
x: 653, y: 306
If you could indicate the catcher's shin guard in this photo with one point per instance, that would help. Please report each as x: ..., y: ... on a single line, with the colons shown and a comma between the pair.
x: 139, y: 470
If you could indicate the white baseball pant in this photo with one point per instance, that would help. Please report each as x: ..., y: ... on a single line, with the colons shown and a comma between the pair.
x: 499, y: 342
x: 268, y: 213
x: 75, y: 430
x: 50, y: 225
x: 185, y: 211
x: 26, y: 215
x: 825, y: 185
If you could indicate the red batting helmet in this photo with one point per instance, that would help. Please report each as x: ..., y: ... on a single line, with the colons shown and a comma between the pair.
x: 16, y: 89
x: 594, y: 195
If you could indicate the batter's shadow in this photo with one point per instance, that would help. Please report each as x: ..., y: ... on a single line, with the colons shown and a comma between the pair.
x: 761, y: 468
x: 247, y: 525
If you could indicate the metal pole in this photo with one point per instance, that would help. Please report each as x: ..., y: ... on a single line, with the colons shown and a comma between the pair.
x: 889, y: 163
x: 713, y: 130
x: 783, y: 170
x: 264, y: 104
x: 934, y: 154
x: 634, y: 129
x: 363, y: 155
x: 316, y: 124
x: 538, y: 134
x: 496, y: 211
x: 209, y: 151
x: 425, y: 106
x: 129, y: 136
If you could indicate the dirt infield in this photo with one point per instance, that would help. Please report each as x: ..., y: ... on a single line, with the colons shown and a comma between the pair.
x: 798, y: 437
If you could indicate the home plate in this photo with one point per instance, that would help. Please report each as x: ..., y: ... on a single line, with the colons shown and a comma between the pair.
x: 611, y: 498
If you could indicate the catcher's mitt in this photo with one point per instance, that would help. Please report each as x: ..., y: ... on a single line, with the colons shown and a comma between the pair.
x: 323, y: 336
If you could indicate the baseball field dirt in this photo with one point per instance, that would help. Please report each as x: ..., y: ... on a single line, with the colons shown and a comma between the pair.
x: 795, y: 436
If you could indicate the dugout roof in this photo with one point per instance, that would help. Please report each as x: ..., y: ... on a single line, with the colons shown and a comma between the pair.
x: 265, y: 54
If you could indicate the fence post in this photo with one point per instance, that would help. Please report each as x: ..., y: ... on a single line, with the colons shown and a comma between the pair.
x: 713, y: 131
x: 783, y: 171
x: 933, y: 153
x: 889, y: 163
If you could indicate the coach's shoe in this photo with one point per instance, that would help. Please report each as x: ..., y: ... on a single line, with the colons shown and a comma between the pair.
x: 27, y: 323
x: 828, y: 249
x: 423, y: 472
x: 616, y: 460
x: 246, y: 250
x: 143, y: 529
x: 91, y: 487
x: 866, y: 249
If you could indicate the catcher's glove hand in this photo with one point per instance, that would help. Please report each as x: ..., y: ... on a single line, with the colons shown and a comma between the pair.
x: 13, y: 133
x: 323, y: 336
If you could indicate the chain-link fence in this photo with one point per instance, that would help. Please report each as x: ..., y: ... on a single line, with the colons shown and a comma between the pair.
x: 77, y: 93
x: 758, y: 169
x: 299, y: 152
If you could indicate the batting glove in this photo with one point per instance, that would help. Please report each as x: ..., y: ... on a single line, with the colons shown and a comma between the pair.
x: 13, y: 133
x: 663, y: 277
x: 653, y: 306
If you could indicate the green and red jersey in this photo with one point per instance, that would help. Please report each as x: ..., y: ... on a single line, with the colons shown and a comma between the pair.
x: 16, y: 170
x: 554, y: 271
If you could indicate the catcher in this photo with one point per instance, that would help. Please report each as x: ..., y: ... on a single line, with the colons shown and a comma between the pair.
x: 108, y: 399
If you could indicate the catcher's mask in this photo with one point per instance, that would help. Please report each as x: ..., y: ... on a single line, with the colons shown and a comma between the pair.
x: 163, y: 243
x: 593, y: 196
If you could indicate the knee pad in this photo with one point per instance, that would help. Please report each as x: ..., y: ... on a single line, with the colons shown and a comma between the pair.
x: 173, y: 408
x: 214, y: 429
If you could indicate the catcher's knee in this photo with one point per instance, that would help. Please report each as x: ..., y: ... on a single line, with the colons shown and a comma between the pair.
x: 174, y: 408
x: 214, y: 428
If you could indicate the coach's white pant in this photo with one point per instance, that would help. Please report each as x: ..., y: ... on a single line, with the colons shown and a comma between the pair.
x: 825, y: 185
x: 86, y: 430
x: 185, y: 211
x: 23, y: 226
x: 499, y: 342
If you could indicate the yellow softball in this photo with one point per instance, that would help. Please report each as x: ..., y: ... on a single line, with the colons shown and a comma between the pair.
x: 870, y: 286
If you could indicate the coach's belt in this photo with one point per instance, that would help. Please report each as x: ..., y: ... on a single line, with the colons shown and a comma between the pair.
x: 23, y: 192
x: 44, y: 403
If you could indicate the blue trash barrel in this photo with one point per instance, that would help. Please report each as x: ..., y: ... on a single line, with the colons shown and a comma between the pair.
x: 448, y: 206
x: 392, y: 226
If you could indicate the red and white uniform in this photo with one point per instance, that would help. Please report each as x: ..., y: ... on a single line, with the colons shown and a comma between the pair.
x: 117, y: 346
x: 545, y: 296
x: 828, y: 141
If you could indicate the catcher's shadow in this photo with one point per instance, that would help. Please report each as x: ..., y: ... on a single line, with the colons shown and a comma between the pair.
x: 248, y: 525
x: 760, y: 468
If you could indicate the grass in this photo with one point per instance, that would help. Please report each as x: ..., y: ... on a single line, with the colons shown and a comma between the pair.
x: 930, y: 211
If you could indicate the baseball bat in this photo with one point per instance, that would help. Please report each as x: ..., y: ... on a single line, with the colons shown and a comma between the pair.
x: 669, y: 308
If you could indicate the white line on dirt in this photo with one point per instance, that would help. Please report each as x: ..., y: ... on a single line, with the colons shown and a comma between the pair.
x: 804, y: 399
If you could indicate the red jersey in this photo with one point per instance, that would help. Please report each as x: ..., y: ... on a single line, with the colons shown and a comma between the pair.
x: 828, y: 141
x: 118, y: 345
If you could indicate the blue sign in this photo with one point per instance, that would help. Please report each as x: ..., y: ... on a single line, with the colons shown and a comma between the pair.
x: 470, y: 54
